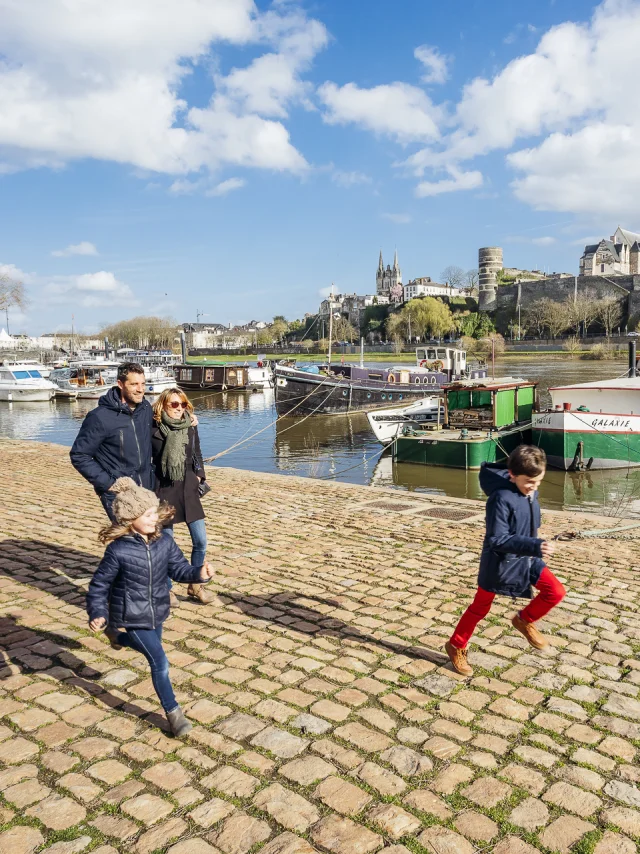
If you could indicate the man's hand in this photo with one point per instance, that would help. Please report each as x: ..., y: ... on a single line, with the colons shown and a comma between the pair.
x: 207, y: 571
x: 97, y: 624
x: 547, y: 549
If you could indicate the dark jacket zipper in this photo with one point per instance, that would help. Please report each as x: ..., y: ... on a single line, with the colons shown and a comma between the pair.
x: 122, y: 444
x: 135, y: 433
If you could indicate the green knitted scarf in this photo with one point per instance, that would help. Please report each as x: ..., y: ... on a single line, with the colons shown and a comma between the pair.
x: 176, y: 437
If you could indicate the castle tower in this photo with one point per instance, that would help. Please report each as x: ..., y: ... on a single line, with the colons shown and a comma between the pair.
x: 489, y: 262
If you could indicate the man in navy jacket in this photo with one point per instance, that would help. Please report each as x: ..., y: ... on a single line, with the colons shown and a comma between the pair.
x: 115, y: 438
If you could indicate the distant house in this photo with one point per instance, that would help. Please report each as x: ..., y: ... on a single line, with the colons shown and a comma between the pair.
x: 620, y: 255
x: 425, y: 287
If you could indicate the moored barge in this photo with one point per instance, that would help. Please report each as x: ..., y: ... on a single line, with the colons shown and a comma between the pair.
x: 337, y: 389
x: 221, y: 376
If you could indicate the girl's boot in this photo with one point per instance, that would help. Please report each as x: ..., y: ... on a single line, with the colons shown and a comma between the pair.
x: 179, y: 724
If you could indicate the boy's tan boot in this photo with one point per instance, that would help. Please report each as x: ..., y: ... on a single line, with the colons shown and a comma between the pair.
x: 458, y: 659
x: 174, y: 602
x: 536, y: 640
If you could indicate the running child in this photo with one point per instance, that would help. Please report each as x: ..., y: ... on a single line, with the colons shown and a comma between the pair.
x: 513, y: 557
x: 129, y: 595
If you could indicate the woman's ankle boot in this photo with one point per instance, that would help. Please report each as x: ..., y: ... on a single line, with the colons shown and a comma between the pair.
x: 179, y: 724
x: 198, y: 592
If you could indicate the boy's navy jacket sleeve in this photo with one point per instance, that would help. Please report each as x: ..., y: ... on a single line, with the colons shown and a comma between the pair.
x: 180, y: 569
x: 83, y: 451
x: 499, y: 537
x: 100, y: 586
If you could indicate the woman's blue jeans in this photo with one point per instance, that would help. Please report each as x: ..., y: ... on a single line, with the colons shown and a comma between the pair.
x: 149, y: 643
x: 198, y: 531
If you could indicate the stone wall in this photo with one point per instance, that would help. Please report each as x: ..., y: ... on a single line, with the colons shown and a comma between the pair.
x: 624, y: 288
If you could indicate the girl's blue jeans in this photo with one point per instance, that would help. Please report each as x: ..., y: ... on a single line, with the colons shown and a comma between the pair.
x: 198, y: 531
x: 149, y: 643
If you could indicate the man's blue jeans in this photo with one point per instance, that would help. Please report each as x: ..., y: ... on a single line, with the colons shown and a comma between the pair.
x: 149, y: 643
x: 198, y: 531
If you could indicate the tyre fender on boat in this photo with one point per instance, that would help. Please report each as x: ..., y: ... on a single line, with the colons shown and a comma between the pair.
x: 391, y: 378
x: 424, y: 363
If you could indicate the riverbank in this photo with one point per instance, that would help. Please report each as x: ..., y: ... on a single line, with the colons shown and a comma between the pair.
x: 390, y: 358
x: 326, y: 717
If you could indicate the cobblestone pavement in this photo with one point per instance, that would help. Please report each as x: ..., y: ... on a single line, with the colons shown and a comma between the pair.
x: 325, y: 718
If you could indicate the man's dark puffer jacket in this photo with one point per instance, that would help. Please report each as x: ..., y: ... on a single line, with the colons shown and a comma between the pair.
x: 129, y: 588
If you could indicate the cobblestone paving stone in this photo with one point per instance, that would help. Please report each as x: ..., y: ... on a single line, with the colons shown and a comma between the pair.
x: 326, y: 718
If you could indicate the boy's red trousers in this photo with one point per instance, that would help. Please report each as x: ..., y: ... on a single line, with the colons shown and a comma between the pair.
x: 551, y: 592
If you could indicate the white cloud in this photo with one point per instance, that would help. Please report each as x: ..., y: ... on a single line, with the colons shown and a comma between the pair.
x: 573, y: 99
x: 227, y: 186
x: 82, y: 248
x: 349, y: 179
x: 534, y: 241
x: 396, y: 109
x: 16, y: 273
x: 398, y: 218
x: 457, y: 181
x: 89, y: 290
x: 436, y: 64
x: 84, y: 78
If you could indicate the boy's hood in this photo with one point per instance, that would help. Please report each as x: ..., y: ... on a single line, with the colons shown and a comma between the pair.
x: 493, y: 477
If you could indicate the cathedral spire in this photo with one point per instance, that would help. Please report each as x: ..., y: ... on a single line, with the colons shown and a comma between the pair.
x: 395, y: 260
x: 381, y: 262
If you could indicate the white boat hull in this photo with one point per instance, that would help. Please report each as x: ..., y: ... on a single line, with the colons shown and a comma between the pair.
x: 26, y: 395
x: 92, y: 393
x: 606, y: 440
x: 159, y: 385
x: 387, y: 424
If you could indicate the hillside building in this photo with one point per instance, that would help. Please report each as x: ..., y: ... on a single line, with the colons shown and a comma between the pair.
x: 618, y: 256
x: 389, y: 280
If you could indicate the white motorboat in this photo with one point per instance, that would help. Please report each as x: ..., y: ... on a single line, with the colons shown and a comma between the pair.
x: 157, y: 380
x: 21, y: 382
x: 260, y: 376
x: 30, y: 365
x: 387, y: 424
x: 90, y: 380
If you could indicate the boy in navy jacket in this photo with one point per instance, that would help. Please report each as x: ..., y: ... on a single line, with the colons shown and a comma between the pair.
x: 513, y: 557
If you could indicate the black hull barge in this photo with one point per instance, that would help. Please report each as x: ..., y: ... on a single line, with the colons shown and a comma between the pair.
x: 341, y: 389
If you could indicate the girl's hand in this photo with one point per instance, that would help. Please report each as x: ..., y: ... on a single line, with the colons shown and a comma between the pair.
x: 547, y: 549
x: 97, y: 624
x: 207, y: 571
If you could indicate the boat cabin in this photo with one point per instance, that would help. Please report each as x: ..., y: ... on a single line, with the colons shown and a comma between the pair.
x: 452, y: 360
x: 11, y: 371
x: 221, y: 376
x: 85, y: 374
x: 490, y: 404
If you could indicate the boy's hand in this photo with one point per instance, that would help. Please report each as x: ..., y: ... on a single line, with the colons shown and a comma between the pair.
x: 207, y: 571
x: 547, y: 549
x: 97, y: 624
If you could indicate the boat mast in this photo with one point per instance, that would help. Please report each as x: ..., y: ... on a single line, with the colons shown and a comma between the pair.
x: 330, y: 323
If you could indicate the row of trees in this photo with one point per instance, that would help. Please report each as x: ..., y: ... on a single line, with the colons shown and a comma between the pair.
x: 545, y: 316
x: 142, y: 333
x: 460, y: 278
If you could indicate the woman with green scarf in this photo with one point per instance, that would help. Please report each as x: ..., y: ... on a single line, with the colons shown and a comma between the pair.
x: 179, y: 470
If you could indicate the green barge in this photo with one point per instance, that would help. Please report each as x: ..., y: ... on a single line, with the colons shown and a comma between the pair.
x: 484, y: 420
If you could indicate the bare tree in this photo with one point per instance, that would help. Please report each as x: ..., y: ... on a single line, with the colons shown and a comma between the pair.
x: 142, y: 333
x: 609, y: 314
x: 584, y: 310
x: 535, y: 316
x: 471, y: 279
x: 455, y: 276
x: 12, y: 294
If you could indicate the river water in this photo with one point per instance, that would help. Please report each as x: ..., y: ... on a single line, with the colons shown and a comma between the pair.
x: 343, y: 447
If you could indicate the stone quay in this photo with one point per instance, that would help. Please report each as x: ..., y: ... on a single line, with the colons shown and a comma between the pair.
x: 326, y: 717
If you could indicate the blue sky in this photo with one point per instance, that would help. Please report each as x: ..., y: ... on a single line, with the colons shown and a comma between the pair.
x: 169, y: 156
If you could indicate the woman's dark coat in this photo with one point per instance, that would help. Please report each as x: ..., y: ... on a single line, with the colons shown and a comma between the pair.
x: 129, y: 588
x: 511, y: 559
x: 181, y: 494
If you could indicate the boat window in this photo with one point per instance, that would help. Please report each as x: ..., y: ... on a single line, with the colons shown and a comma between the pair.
x: 442, y: 354
x: 431, y: 354
x: 21, y: 375
x: 375, y: 376
x: 209, y: 375
x: 36, y: 375
x: 186, y: 374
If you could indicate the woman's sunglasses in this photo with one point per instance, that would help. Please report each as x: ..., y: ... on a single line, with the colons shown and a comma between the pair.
x: 178, y: 403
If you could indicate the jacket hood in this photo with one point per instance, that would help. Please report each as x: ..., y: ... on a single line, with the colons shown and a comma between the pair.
x: 494, y: 477
x: 113, y: 400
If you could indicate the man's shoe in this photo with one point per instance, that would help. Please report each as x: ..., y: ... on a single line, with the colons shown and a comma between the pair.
x: 174, y: 602
x: 179, y: 724
x: 530, y: 632
x: 197, y: 592
x: 112, y: 636
x: 458, y: 659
